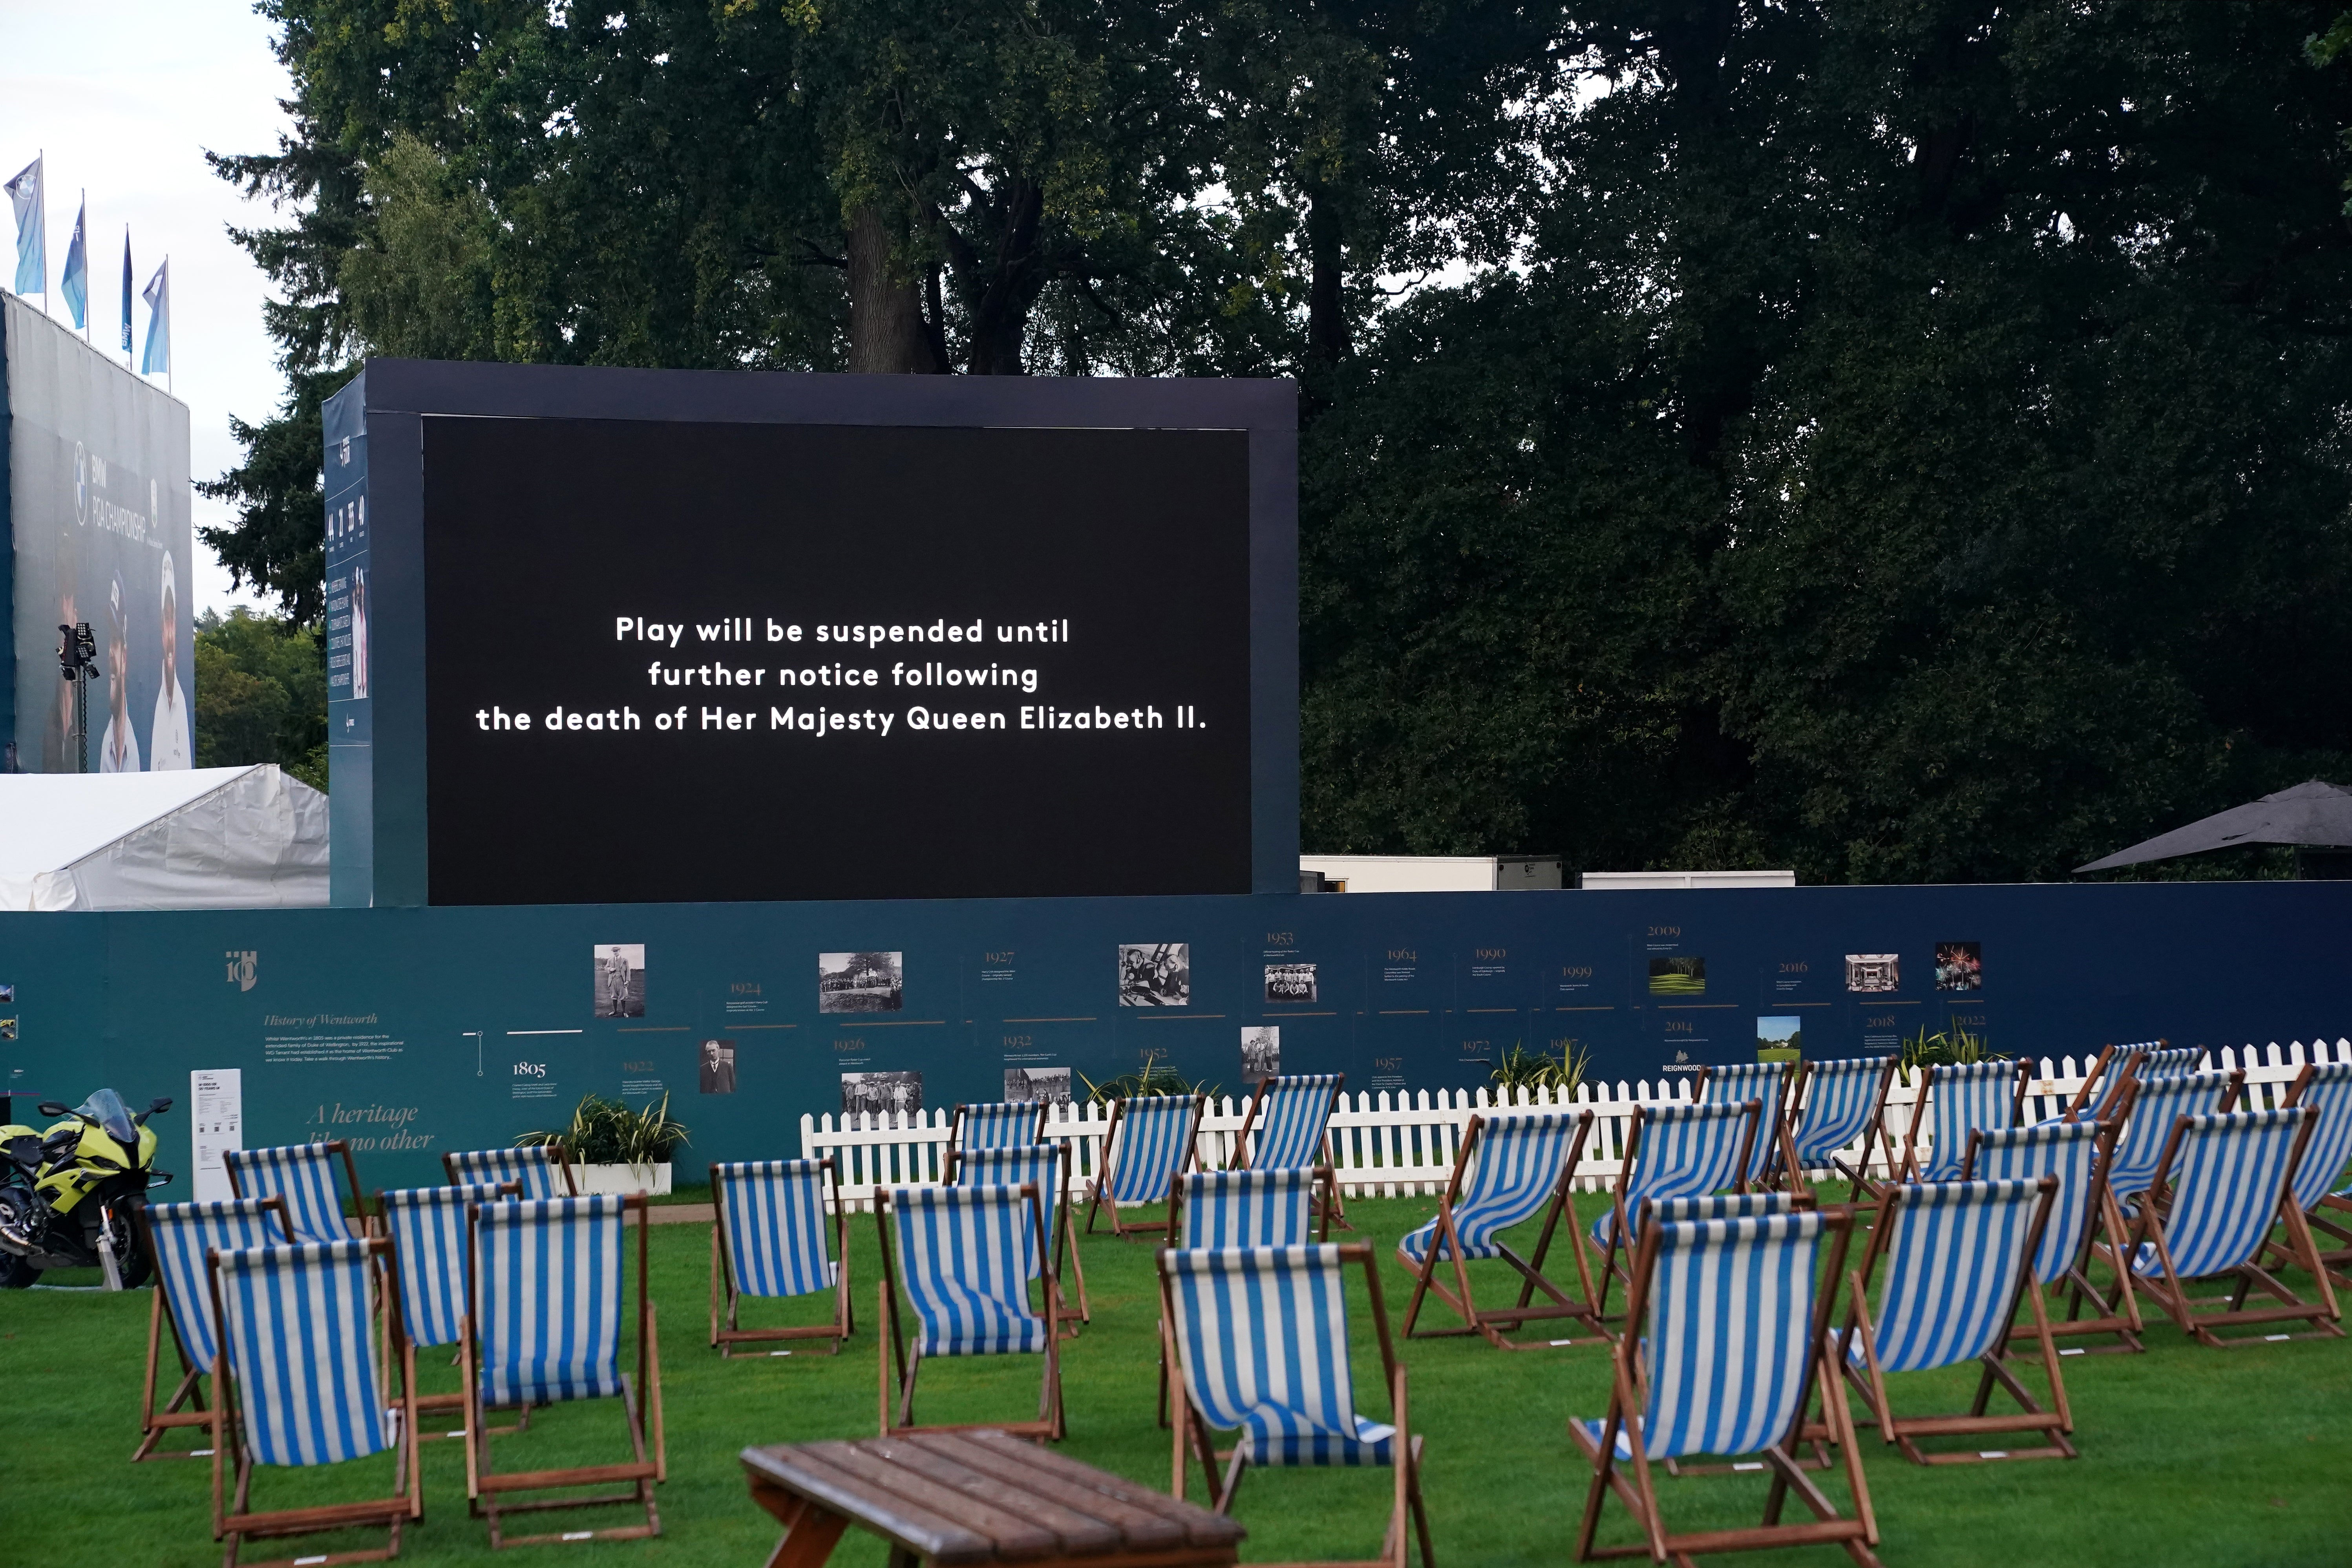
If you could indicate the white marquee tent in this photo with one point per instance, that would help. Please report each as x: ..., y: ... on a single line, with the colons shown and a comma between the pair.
x: 196, y: 838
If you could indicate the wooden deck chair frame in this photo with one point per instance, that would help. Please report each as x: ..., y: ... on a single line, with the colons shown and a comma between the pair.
x: 727, y: 1336
x: 2110, y: 1240
x: 2094, y: 1086
x: 955, y: 1133
x: 1446, y: 1247
x: 1063, y: 1227
x: 225, y: 1419
x: 641, y: 1409
x: 1923, y: 1108
x: 1778, y: 1165
x: 1869, y: 1380
x: 1104, y: 1186
x: 2119, y: 1311
x: 1873, y: 1131
x: 562, y: 1161
x: 189, y: 1390
x: 1049, y: 1427
x: 1194, y: 1437
x: 408, y: 1348
x: 1620, y: 1227
x: 2336, y: 1202
x: 2171, y: 1292
x: 1335, y: 1207
x: 351, y: 1174
x: 1629, y: 1398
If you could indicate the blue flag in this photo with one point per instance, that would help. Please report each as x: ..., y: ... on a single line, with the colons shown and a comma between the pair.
x: 32, y: 230
x: 75, y: 282
x: 126, y: 287
x: 158, y: 294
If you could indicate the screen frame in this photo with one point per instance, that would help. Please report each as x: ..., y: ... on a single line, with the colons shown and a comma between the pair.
x: 379, y: 821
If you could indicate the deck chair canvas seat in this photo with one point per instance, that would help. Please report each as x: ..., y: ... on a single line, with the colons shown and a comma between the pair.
x: 2327, y: 1088
x: 1768, y: 1084
x: 2076, y: 1153
x: 1960, y: 1258
x: 1001, y: 1124
x: 303, y: 1174
x: 1837, y: 1104
x: 2224, y: 1181
x: 1041, y: 1165
x: 177, y: 1236
x: 302, y: 1384
x: 769, y: 1237
x: 1679, y: 1150
x: 426, y: 1226
x: 1517, y: 1167
x: 1957, y: 1099
x: 548, y: 1307
x: 2098, y: 1098
x: 537, y: 1170
x: 1259, y: 1336
x: 2151, y: 1103
x: 1152, y: 1142
x: 967, y: 1255
x: 1735, y: 1331
x: 1292, y: 1118
x: 1215, y: 1209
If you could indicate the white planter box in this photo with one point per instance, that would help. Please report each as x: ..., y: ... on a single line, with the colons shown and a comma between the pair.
x: 624, y: 1180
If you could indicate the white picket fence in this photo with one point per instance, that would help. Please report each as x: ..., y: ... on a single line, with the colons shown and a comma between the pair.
x: 1386, y: 1146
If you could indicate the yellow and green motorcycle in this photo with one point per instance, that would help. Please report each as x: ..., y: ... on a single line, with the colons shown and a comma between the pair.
x: 67, y: 1196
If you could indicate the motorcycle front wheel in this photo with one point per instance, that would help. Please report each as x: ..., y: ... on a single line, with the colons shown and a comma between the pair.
x: 15, y: 1274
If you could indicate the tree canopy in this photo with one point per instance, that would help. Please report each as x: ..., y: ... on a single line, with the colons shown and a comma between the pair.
x: 1904, y: 439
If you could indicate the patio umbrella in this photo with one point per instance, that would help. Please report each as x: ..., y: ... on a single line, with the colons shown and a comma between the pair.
x: 2314, y: 815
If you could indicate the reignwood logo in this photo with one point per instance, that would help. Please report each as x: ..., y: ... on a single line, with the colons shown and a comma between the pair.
x: 243, y: 968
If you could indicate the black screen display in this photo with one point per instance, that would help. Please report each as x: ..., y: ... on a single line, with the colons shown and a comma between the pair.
x: 675, y: 662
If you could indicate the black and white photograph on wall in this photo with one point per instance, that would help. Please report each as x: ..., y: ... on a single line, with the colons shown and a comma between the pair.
x: 1261, y: 1052
x: 881, y: 1093
x: 620, y: 980
x: 717, y: 1066
x: 1155, y: 974
x: 1867, y: 972
x: 1959, y: 966
x: 861, y: 982
x: 1046, y: 1086
x: 1289, y: 983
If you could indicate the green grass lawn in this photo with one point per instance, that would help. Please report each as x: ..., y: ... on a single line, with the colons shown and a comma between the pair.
x: 2189, y: 1456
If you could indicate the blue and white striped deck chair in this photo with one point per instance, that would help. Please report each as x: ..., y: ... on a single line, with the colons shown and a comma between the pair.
x: 177, y: 1236
x: 550, y: 1307
x: 2076, y: 1153
x: 1259, y: 1335
x: 967, y: 1255
x: 1844, y: 1103
x: 2226, y: 1180
x: 1735, y: 1329
x: 427, y: 1229
x: 306, y: 1387
x: 1243, y: 1208
x: 1002, y: 1124
x: 1043, y: 1167
x: 1152, y: 1140
x: 2155, y: 1102
x: 1292, y: 1118
x: 2098, y: 1100
x: 1508, y: 1170
x: 1677, y: 1150
x: 1767, y: 1083
x: 767, y: 1241
x: 1959, y: 1258
x: 1957, y: 1099
x: 2327, y: 1088
x: 304, y: 1176
x: 539, y: 1170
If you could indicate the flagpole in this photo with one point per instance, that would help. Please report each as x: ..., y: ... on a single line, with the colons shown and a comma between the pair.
x: 80, y: 223
x: 41, y: 222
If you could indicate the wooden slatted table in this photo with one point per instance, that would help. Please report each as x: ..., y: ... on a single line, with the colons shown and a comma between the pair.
x: 976, y: 1496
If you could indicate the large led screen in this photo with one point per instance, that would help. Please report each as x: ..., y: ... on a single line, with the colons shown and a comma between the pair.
x: 679, y: 662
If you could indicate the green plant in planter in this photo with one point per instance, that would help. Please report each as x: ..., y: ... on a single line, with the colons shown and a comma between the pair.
x: 1152, y: 1081
x: 1526, y: 1070
x: 1954, y: 1047
x: 609, y: 1133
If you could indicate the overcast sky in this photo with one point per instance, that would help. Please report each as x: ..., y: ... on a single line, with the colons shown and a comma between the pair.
x: 123, y: 97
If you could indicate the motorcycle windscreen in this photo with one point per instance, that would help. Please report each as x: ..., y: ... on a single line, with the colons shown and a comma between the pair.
x: 106, y: 1108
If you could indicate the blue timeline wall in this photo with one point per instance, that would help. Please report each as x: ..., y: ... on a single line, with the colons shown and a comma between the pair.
x: 417, y: 1031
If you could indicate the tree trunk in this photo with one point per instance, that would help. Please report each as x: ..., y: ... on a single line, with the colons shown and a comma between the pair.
x: 885, y: 309
x: 1327, y: 255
